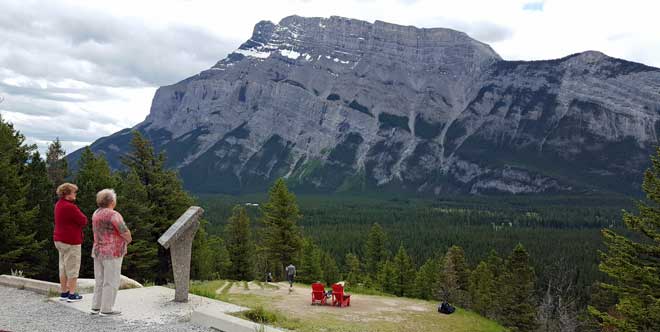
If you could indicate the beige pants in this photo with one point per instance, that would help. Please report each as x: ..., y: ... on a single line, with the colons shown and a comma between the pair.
x: 69, y: 255
x: 107, y: 274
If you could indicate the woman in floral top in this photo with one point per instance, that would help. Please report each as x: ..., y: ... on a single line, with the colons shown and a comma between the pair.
x: 111, y: 236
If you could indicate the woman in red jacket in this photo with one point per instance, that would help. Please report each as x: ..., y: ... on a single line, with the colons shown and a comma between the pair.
x: 68, y: 237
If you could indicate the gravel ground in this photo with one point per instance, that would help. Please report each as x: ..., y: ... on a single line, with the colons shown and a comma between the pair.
x: 22, y: 310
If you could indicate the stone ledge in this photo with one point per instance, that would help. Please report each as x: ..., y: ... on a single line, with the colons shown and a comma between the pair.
x: 38, y: 286
x: 208, y: 317
x: 43, y: 287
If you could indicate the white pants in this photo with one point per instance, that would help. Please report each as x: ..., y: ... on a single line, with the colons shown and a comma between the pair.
x: 107, y: 274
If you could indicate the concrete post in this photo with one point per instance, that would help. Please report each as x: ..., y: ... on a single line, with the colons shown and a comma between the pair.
x: 179, y: 238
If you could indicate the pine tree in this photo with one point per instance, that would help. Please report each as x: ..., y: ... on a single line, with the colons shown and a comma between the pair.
x: 221, y: 263
x: 239, y: 245
x: 141, y: 261
x: 57, y: 165
x: 385, y: 277
x: 164, y: 191
x: 375, y: 252
x: 40, y: 196
x: 633, y: 263
x: 426, y: 280
x: 309, y: 269
x: 19, y: 249
x: 201, y: 260
x: 454, y: 277
x: 518, y: 309
x: 330, y: 269
x: 495, y: 264
x: 482, y: 289
x: 93, y: 175
x: 282, y: 239
x: 404, y: 273
x: 354, y: 272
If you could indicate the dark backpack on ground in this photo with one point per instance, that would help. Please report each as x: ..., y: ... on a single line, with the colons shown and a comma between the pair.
x: 446, y: 308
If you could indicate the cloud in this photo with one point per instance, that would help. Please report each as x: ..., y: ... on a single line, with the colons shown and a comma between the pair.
x: 534, y: 6
x: 80, y: 73
x: 484, y: 31
x: 55, y: 41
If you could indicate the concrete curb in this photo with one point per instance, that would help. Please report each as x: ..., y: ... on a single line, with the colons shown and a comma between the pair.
x: 38, y: 286
x: 208, y: 317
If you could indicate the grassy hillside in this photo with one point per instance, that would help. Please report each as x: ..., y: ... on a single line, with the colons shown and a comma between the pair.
x: 293, y: 310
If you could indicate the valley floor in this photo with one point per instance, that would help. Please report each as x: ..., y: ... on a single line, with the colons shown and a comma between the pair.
x: 366, y: 313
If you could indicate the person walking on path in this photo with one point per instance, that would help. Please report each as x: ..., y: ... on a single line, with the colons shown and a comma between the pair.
x: 290, y: 275
x: 68, y: 238
x: 111, y: 237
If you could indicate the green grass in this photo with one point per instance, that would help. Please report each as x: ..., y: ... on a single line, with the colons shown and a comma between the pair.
x: 262, y: 310
x: 206, y: 288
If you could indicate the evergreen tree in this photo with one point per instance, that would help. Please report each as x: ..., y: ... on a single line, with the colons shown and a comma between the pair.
x: 518, y: 309
x: 40, y: 196
x: 633, y: 263
x: 426, y: 280
x: 354, y: 273
x: 19, y: 248
x: 482, y: 289
x: 454, y: 277
x: 57, y: 165
x: 309, y: 269
x: 404, y: 273
x: 201, y: 260
x: 141, y: 261
x: 93, y: 175
x: 330, y: 269
x: 164, y: 192
x: 375, y: 252
x: 282, y: 239
x: 495, y: 263
x: 385, y: 277
x: 239, y: 245
x: 221, y: 263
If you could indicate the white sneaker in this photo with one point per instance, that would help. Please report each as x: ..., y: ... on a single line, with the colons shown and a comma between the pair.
x: 111, y: 313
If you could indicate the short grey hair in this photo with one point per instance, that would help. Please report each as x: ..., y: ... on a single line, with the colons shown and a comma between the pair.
x: 105, y: 197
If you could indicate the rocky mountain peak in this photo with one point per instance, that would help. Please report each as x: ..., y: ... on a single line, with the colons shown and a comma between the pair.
x: 296, y: 36
x: 338, y: 104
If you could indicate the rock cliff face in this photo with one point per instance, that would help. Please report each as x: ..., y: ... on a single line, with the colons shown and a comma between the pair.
x: 337, y: 104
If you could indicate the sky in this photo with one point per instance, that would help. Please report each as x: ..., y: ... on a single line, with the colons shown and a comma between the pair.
x: 81, y: 70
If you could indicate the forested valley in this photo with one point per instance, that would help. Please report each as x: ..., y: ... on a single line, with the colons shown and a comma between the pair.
x: 587, y: 262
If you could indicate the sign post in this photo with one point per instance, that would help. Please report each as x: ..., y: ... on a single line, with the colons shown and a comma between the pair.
x: 179, y: 238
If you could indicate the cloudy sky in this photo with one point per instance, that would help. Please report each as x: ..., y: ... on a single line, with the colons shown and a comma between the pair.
x: 80, y: 70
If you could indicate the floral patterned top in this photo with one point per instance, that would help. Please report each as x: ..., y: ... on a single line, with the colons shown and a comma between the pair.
x: 107, y: 224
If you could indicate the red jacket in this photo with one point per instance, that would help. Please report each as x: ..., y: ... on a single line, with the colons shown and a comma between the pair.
x: 69, y: 223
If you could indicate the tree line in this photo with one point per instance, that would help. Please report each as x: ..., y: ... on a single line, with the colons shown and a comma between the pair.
x: 150, y: 196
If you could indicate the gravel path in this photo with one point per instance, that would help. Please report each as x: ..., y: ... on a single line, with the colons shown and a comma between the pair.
x: 22, y: 310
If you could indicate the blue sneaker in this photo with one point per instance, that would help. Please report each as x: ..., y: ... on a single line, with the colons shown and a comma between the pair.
x: 74, y: 298
x: 64, y: 296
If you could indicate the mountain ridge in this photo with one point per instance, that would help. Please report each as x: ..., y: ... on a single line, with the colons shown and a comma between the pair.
x: 337, y: 104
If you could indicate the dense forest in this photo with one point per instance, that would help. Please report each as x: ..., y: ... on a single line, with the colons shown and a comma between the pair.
x: 561, y: 233
x: 533, y: 263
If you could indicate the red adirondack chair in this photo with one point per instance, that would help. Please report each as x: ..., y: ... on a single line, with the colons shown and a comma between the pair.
x: 318, y: 294
x: 339, y: 297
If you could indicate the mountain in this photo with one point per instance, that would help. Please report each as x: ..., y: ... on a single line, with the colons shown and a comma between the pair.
x: 337, y: 104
